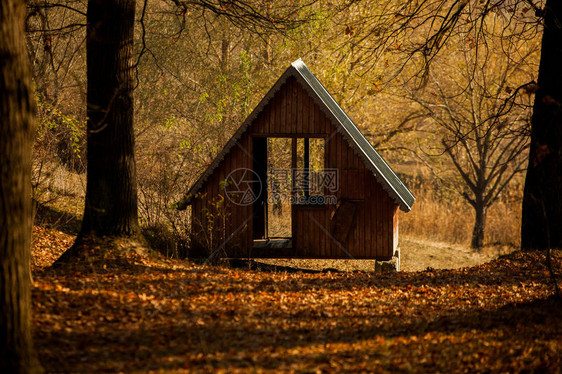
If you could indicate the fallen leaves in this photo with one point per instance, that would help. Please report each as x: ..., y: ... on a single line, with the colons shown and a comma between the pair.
x: 146, y: 314
x: 48, y: 245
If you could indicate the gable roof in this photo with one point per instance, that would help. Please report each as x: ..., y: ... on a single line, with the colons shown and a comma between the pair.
x: 344, y: 125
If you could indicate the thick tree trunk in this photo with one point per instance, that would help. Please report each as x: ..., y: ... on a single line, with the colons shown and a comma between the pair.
x: 477, y: 241
x: 16, y: 130
x: 541, y: 225
x: 111, y: 191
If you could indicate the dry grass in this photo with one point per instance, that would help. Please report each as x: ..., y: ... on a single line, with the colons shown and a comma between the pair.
x: 450, y: 219
x: 279, y: 224
x: 504, y: 223
x: 419, y: 254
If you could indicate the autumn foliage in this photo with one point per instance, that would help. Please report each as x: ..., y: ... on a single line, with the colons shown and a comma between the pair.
x: 137, y: 313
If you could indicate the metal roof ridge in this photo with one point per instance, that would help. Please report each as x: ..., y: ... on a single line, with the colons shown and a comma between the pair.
x: 404, y: 205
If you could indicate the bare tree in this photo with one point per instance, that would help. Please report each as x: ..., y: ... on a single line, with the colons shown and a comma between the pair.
x: 422, y: 29
x: 484, y: 136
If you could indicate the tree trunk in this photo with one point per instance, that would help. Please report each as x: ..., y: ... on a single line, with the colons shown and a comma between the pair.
x: 111, y: 189
x: 17, y: 120
x: 542, y: 199
x: 477, y: 241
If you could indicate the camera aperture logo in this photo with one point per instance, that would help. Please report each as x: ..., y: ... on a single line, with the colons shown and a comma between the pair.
x: 243, y: 186
x: 290, y: 186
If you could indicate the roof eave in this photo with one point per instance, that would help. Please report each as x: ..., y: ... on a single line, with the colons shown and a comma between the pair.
x: 358, y: 149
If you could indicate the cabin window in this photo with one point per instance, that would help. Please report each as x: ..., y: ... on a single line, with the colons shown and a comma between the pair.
x: 308, y: 170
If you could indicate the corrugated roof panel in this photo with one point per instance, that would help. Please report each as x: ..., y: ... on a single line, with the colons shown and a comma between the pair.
x: 382, y: 171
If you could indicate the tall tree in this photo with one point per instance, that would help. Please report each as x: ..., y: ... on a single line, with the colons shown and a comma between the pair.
x: 542, y: 201
x: 111, y: 191
x: 17, y: 120
x: 111, y: 187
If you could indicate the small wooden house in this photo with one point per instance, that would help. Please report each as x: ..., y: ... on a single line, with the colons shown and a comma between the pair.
x: 353, y: 210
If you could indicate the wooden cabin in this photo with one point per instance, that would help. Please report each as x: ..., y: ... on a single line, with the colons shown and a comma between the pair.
x: 344, y: 206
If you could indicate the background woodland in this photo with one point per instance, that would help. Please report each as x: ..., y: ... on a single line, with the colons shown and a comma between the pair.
x: 454, y: 128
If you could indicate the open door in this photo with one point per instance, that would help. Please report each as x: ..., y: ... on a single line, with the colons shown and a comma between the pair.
x: 272, y: 210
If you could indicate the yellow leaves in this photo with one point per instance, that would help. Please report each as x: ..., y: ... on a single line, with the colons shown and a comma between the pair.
x: 60, y: 288
x: 376, y: 86
x: 470, y: 42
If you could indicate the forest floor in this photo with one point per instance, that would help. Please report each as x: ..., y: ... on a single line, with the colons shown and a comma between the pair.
x: 149, y: 314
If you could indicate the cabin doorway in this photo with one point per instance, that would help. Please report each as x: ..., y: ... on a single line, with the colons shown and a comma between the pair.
x: 279, y: 214
x: 287, y: 168
x: 272, y: 221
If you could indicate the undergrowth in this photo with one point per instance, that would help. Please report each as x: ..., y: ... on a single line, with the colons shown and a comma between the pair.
x: 443, y: 216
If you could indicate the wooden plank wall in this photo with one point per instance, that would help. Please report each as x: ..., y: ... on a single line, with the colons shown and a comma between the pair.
x: 374, y: 232
x: 235, y: 230
x: 292, y: 113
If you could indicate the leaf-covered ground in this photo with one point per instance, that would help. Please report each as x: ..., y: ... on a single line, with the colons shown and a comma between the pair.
x: 139, y: 314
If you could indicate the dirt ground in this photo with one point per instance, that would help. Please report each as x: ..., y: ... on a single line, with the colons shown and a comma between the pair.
x: 415, y: 255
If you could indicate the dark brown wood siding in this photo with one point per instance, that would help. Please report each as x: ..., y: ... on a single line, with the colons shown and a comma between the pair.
x: 373, y: 232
